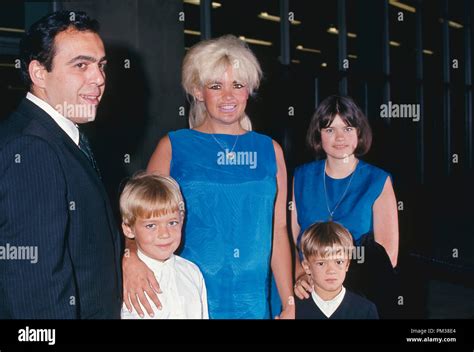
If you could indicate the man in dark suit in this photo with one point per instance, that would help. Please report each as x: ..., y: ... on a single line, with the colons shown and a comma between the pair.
x: 51, y: 197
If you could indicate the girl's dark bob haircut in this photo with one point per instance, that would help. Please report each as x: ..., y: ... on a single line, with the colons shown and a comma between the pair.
x: 349, y: 112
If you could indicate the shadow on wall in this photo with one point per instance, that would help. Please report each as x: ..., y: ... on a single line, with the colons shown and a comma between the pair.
x: 12, y: 90
x: 117, y: 134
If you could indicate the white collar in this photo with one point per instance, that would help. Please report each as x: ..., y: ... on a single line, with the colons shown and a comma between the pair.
x: 157, y: 265
x: 328, y: 307
x: 66, y: 125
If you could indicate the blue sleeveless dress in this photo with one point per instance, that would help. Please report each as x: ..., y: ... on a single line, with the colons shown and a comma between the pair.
x: 354, y: 211
x: 229, y: 216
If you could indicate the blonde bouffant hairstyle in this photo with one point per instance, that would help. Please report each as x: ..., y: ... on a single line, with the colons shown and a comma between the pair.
x: 207, y: 61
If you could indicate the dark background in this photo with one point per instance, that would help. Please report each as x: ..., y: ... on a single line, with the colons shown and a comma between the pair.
x: 399, y: 51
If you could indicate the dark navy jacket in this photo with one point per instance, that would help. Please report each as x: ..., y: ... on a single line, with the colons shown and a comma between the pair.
x: 51, y: 198
x: 352, y: 306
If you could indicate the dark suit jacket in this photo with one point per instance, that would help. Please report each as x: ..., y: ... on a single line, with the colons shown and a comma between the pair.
x: 352, y: 306
x: 51, y: 198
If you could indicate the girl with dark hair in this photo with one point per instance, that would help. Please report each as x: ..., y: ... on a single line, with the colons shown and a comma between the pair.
x: 340, y: 187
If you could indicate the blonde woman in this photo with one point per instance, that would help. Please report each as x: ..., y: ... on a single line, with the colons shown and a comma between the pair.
x: 234, y: 184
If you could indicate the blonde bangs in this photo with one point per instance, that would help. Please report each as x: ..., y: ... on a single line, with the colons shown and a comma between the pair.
x: 146, y: 196
x: 323, y: 240
x: 213, y: 72
x: 154, y: 209
x: 330, y: 251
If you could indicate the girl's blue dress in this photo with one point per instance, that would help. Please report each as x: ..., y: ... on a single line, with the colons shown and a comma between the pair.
x: 354, y: 211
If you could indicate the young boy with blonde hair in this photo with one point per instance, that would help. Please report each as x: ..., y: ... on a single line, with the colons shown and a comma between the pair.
x: 152, y: 210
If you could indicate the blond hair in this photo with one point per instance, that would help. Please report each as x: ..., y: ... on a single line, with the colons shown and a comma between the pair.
x: 207, y: 61
x: 149, y: 195
x: 324, y: 239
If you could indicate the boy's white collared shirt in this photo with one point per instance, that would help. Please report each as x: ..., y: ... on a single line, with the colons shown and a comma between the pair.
x: 183, y: 289
x: 66, y: 125
x: 328, y: 307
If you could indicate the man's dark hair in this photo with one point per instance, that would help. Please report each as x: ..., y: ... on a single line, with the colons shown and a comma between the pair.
x: 38, y: 42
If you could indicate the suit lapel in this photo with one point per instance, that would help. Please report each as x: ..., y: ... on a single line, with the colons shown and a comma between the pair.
x: 51, y: 131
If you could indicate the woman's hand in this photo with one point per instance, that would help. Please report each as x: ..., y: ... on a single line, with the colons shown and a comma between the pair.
x: 138, y: 279
x: 288, y: 311
x: 303, y: 286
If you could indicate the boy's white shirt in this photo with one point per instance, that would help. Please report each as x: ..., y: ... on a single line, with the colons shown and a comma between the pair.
x: 184, y: 294
x: 328, y: 307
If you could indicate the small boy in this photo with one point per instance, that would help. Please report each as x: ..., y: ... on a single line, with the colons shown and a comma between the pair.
x: 327, y: 248
x: 152, y: 210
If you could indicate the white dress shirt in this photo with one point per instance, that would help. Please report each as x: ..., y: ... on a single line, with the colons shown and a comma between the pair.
x: 328, y: 307
x: 66, y: 125
x: 183, y: 289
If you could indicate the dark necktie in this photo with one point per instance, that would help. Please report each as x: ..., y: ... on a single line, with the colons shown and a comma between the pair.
x: 85, y: 147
